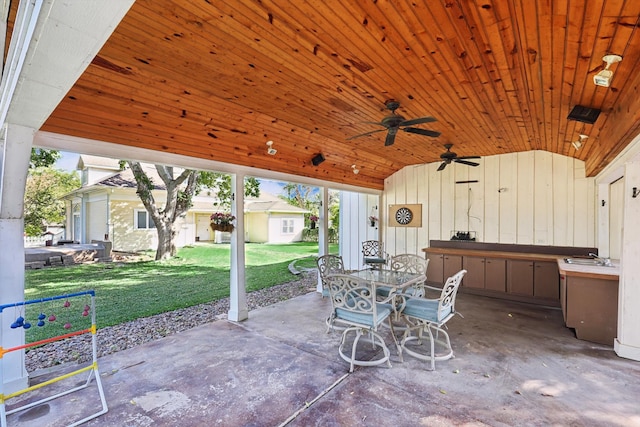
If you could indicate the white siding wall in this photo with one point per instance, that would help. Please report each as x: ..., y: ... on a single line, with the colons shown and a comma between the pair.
x: 544, y: 199
x: 355, y: 209
x: 275, y: 228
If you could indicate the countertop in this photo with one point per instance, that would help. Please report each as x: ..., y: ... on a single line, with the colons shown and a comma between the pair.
x: 590, y: 271
x: 492, y: 254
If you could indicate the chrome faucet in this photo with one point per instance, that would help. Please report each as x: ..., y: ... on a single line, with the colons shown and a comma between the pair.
x: 605, y: 261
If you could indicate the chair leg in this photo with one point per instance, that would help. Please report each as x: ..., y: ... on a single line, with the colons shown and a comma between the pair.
x: 433, y: 348
x: 395, y: 340
x: 377, y: 341
x: 418, y: 334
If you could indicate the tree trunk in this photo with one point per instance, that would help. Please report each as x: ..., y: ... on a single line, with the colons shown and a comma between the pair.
x: 166, y: 246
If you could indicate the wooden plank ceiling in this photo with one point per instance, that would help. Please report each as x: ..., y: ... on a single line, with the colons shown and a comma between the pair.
x: 218, y: 79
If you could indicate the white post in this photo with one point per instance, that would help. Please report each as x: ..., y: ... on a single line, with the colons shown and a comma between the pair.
x: 15, y: 153
x: 238, y: 309
x: 627, y: 343
x: 323, y: 232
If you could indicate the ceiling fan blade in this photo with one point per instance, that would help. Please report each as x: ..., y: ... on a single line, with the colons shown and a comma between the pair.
x: 365, y: 134
x: 391, y: 137
x: 467, y: 157
x: 464, y: 162
x: 418, y: 121
x: 442, y: 166
x: 425, y: 132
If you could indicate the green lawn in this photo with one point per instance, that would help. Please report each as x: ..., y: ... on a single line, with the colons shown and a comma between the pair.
x: 127, y: 291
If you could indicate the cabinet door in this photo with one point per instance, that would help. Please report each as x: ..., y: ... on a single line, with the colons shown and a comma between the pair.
x: 435, y: 269
x: 475, y: 272
x: 520, y: 277
x: 495, y: 274
x: 546, y: 280
x: 451, y: 265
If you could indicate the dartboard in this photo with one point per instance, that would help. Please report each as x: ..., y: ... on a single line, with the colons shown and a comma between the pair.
x: 404, y: 216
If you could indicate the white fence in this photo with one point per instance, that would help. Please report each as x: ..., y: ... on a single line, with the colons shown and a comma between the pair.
x: 32, y: 242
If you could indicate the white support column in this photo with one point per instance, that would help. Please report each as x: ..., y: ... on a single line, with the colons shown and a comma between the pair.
x: 238, y: 309
x: 15, y: 153
x: 323, y: 232
x: 627, y: 343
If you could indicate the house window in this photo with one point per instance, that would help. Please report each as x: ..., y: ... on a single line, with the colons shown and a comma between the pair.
x: 143, y: 220
x: 287, y: 226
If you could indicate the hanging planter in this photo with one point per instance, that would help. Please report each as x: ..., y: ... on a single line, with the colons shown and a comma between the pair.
x: 227, y: 228
x: 222, y: 222
x: 312, y: 221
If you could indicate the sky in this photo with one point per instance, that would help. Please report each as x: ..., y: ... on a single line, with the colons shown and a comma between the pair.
x: 68, y: 162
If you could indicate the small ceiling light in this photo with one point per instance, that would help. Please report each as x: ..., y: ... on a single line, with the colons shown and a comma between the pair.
x: 603, y: 78
x: 578, y: 144
x: 270, y: 150
x: 355, y: 169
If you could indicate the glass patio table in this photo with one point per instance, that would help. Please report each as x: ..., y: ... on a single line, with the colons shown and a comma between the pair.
x: 398, y: 281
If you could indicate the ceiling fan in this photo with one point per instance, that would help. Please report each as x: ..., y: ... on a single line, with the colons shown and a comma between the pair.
x: 449, y: 156
x: 396, y: 122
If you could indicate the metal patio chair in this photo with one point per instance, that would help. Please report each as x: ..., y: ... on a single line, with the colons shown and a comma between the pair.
x: 408, y: 263
x: 373, y: 254
x: 355, y: 306
x: 327, y: 265
x: 425, y: 315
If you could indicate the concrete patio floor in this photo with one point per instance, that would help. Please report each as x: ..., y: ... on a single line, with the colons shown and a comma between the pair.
x: 515, y: 364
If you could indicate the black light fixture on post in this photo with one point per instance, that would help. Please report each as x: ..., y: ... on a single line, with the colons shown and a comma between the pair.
x: 317, y: 159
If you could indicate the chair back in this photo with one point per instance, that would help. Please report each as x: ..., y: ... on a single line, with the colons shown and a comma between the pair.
x: 372, y: 248
x: 354, y: 301
x: 328, y: 264
x: 410, y: 263
x: 447, y: 301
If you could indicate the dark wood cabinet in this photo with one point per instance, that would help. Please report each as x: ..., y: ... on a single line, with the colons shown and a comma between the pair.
x: 495, y: 274
x: 539, y: 279
x: 475, y: 272
x: 546, y: 280
x: 484, y: 273
x: 591, y: 308
x: 518, y: 276
x: 441, y: 267
x: 435, y: 269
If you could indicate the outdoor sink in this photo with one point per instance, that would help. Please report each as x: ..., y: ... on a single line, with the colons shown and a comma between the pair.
x: 587, y: 261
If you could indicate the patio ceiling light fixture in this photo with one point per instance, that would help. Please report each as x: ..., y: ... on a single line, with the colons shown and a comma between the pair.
x: 603, y: 78
x: 355, y: 169
x: 270, y: 150
x: 577, y: 144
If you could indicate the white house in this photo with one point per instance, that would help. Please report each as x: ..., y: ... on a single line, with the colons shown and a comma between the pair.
x: 107, y: 207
